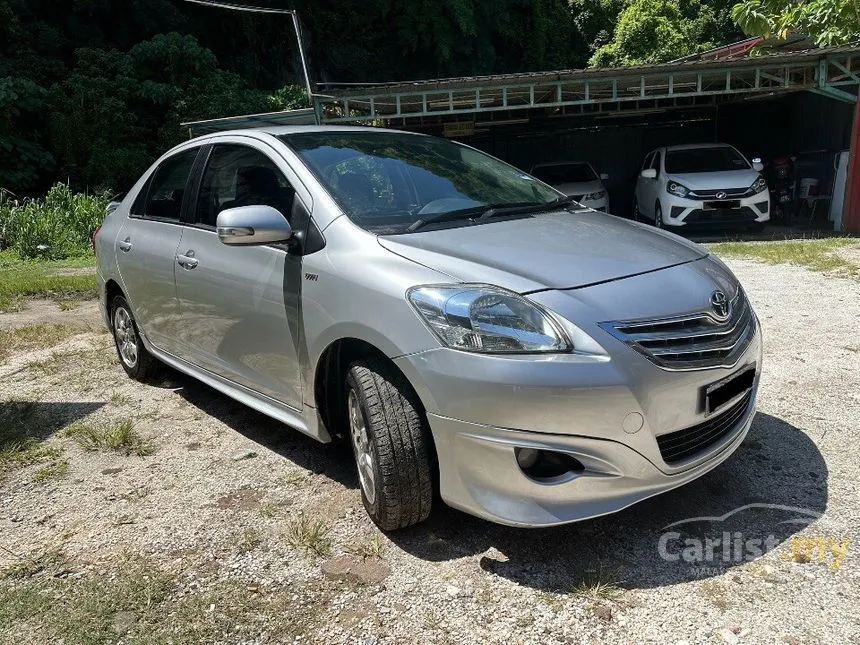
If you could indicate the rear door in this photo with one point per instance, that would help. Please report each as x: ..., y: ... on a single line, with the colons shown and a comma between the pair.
x: 146, y: 247
x: 240, y: 304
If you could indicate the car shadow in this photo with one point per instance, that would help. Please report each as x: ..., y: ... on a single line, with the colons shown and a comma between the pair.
x: 333, y: 460
x: 23, y: 421
x: 773, y: 486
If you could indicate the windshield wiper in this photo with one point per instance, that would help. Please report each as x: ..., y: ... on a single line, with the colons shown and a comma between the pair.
x: 516, y: 209
x: 488, y: 211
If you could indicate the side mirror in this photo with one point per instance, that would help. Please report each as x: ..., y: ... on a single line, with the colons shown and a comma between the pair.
x: 249, y: 225
x: 604, y: 176
x: 649, y: 173
x: 757, y: 165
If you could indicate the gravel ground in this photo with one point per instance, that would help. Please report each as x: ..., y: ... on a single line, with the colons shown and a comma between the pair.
x: 220, y: 499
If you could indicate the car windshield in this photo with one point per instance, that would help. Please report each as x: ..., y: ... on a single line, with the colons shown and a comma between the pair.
x: 716, y: 159
x: 386, y: 182
x: 564, y: 173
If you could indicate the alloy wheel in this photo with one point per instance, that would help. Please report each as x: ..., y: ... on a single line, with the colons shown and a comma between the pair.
x: 362, y: 447
x: 125, y: 336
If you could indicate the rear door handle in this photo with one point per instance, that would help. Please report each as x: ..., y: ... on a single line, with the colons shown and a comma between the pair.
x: 125, y: 245
x: 188, y: 260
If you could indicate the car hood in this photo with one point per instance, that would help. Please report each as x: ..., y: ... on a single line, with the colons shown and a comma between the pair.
x: 715, y: 180
x: 579, y: 188
x: 550, y: 251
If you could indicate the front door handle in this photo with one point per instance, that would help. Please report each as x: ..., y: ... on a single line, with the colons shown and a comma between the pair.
x: 125, y: 245
x: 188, y: 260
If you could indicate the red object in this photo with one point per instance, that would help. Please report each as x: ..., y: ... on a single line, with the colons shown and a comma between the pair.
x: 851, y: 208
x: 94, y: 237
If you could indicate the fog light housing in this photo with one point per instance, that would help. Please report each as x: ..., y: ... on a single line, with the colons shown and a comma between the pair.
x: 546, y: 465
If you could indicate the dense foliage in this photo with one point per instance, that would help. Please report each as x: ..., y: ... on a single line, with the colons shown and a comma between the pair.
x: 828, y: 22
x: 92, y: 90
x: 58, y: 226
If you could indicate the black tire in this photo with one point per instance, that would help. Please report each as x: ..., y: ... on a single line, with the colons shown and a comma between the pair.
x: 756, y: 227
x: 658, y: 215
x: 636, y: 214
x: 397, y: 451
x: 142, y: 366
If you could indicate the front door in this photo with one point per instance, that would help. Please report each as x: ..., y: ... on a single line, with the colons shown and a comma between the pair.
x: 238, y: 303
x: 146, y: 247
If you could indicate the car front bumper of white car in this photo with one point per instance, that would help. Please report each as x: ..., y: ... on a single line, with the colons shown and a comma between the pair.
x: 715, y: 211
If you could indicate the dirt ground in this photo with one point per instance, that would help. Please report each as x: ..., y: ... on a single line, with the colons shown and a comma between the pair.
x: 217, y: 524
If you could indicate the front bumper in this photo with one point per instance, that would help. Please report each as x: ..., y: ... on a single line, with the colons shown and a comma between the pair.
x: 678, y: 211
x: 482, y: 408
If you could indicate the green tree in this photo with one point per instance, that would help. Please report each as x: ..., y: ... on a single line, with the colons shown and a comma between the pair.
x: 828, y: 22
x: 655, y: 31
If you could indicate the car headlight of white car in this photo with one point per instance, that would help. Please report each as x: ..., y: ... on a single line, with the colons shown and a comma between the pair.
x: 487, y: 319
x: 759, y: 186
x: 593, y: 197
x: 679, y: 190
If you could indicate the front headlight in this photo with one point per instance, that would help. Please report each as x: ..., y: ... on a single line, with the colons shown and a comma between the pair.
x: 677, y: 189
x: 759, y: 186
x: 488, y: 319
x: 593, y: 197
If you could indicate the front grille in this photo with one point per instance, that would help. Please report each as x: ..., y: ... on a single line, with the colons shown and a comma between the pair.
x: 680, y: 445
x: 693, y: 341
x: 729, y: 192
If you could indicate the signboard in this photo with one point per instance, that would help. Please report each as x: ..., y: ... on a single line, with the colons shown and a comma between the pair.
x: 458, y: 129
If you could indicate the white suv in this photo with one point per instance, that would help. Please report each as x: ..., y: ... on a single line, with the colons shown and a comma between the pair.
x: 709, y: 184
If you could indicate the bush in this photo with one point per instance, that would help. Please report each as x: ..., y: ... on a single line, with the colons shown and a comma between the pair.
x: 58, y: 226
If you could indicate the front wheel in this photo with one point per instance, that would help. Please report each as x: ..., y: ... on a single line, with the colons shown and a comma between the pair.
x: 391, y: 444
x: 137, y: 362
x: 658, y: 215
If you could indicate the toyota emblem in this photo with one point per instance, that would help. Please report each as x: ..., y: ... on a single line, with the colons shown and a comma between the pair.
x: 721, y: 195
x: 720, y: 305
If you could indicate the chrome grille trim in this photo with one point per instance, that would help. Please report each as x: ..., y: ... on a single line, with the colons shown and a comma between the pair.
x: 689, y: 342
x: 730, y: 192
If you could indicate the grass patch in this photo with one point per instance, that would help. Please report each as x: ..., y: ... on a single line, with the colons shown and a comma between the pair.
x: 312, y: 535
x: 31, y: 565
x: 598, y: 585
x: 136, y: 602
x: 373, y: 548
x: 821, y: 254
x: 68, y: 304
x: 56, y: 470
x: 121, y: 437
x: 20, y: 279
x: 20, y: 440
x: 32, y: 337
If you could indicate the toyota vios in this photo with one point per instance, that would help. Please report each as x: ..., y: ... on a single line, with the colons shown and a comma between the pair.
x: 463, y: 325
x: 701, y: 184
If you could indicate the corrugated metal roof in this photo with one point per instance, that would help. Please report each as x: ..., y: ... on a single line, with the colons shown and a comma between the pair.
x: 794, y: 57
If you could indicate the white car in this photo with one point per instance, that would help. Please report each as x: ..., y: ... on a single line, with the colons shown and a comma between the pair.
x: 577, y: 180
x: 708, y: 184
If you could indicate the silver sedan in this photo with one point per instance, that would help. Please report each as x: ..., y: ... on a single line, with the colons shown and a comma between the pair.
x: 466, y: 327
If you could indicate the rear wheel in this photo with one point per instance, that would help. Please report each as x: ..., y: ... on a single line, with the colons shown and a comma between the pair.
x: 391, y: 444
x: 137, y: 362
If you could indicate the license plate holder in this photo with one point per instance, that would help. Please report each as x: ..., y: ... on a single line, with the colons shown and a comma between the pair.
x: 717, y: 395
x: 722, y: 204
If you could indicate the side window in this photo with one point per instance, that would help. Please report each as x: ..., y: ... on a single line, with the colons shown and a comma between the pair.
x: 161, y: 197
x: 236, y: 176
